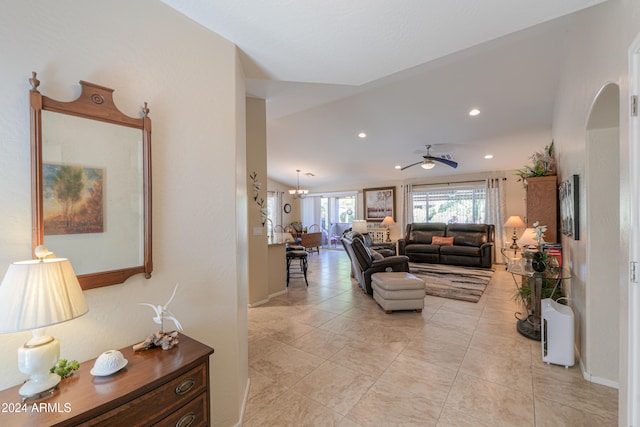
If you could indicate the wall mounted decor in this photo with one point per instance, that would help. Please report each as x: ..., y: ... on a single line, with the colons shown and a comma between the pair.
x: 256, y: 196
x: 91, y: 184
x: 569, y: 192
x: 379, y: 203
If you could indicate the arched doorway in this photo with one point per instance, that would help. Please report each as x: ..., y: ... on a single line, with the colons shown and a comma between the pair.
x: 599, y: 340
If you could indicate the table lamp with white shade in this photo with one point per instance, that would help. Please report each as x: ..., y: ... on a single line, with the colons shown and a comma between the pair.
x: 388, y: 221
x: 514, y: 222
x: 528, y: 239
x: 33, y: 295
x: 359, y: 225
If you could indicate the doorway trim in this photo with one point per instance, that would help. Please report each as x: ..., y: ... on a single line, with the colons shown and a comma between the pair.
x: 632, y: 344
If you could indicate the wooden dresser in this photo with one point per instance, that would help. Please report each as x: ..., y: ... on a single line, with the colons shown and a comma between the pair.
x: 157, y: 387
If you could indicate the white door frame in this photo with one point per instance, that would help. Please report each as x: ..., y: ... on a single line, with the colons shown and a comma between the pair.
x: 633, y: 307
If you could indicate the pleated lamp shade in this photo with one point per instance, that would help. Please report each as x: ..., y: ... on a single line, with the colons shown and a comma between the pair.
x: 39, y: 293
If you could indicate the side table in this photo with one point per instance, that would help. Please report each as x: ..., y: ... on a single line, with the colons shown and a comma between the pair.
x: 510, y: 255
x: 530, y: 326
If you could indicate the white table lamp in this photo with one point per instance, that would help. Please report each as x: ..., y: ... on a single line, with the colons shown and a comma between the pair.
x: 528, y: 238
x: 359, y: 225
x: 33, y: 295
x: 388, y: 221
x: 515, y: 221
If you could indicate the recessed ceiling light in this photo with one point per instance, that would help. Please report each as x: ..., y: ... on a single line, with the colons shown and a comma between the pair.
x: 489, y: 156
x: 474, y: 112
x: 362, y: 135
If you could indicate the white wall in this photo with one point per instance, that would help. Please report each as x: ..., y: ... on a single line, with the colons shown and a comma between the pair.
x: 596, y: 55
x: 195, y: 89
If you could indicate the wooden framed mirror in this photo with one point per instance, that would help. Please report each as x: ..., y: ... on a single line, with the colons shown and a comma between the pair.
x: 91, y: 184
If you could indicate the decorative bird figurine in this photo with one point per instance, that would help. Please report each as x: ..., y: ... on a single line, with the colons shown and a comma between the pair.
x: 162, y: 312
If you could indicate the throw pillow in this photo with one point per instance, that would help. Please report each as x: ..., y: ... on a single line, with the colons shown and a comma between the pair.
x: 442, y: 241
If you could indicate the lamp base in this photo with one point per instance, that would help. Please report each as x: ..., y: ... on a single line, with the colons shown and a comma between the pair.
x: 36, y: 388
x: 35, y: 358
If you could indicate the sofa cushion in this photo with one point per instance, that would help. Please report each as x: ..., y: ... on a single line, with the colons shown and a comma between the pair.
x: 423, y: 232
x: 468, y: 234
x: 375, y: 254
x: 460, y: 250
x: 416, y: 248
x: 442, y: 241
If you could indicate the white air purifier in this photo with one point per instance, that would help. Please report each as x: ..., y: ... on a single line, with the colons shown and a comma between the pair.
x: 557, y: 334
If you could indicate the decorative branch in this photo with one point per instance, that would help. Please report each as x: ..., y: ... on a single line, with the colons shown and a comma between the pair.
x: 256, y: 192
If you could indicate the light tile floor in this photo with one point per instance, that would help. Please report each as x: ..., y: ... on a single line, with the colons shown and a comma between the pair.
x: 328, y: 355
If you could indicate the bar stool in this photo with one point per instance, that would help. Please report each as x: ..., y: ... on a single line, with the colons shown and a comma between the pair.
x: 301, y: 256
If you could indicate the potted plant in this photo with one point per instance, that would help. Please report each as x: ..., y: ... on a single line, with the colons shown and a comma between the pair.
x: 542, y: 164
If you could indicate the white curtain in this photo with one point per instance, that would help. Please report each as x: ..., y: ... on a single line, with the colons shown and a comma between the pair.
x: 407, y: 207
x: 310, y: 211
x: 496, y: 211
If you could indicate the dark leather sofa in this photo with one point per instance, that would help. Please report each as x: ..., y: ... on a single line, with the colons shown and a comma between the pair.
x: 364, y: 262
x: 472, y: 244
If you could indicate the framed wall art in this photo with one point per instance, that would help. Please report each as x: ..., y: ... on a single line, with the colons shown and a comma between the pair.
x: 569, y: 192
x: 379, y: 203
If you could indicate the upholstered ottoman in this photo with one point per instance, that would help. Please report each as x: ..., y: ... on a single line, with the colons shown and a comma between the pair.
x: 398, y: 291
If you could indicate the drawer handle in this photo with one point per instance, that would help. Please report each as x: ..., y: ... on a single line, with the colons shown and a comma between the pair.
x: 186, y: 420
x: 185, y: 386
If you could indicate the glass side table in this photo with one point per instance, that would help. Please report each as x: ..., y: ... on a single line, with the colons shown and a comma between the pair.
x: 530, y: 326
x: 511, y: 255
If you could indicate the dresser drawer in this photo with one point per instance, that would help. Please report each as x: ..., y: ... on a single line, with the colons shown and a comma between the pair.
x: 157, y: 403
x: 193, y: 414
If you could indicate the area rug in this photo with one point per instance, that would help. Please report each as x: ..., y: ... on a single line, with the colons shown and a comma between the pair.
x: 450, y: 281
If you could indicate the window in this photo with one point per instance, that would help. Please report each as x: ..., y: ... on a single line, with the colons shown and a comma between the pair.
x: 451, y: 204
x: 346, y: 208
x: 273, y: 211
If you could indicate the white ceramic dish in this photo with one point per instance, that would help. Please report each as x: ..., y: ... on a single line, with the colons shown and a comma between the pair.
x: 108, y: 363
x: 98, y: 373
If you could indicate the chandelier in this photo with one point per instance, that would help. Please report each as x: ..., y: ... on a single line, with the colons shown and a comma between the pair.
x: 298, y: 193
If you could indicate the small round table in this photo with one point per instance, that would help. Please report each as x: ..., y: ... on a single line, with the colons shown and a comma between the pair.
x: 530, y: 326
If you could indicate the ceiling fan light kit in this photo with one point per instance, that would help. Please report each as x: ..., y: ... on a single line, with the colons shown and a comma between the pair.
x: 428, y: 164
x: 429, y: 161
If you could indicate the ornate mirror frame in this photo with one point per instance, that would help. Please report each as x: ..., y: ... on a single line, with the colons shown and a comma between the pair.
x: 95, y: 103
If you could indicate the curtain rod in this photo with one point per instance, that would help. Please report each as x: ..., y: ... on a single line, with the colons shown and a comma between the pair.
x: 459, y: 182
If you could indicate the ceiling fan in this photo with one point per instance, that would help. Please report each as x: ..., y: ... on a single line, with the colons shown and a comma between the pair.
x: 429, y: 161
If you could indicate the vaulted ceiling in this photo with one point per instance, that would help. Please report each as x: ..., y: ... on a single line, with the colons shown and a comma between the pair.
x: 405, y: 72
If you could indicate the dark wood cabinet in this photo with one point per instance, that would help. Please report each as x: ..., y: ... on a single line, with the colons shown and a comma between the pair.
x: 542, y: 205
x: 157, y: 387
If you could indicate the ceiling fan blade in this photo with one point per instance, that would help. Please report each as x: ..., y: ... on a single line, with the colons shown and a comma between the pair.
x: 445, y: 161
x: 413, y: 164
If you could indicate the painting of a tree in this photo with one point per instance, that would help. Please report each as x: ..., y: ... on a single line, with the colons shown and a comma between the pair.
x: 73, y: 199
x: 379, y: 203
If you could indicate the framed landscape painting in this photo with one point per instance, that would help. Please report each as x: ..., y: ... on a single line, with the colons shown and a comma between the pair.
x: 379, y: 203
x: 73, y: 199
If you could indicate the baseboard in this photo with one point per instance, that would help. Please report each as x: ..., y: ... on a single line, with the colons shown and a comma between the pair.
x: 255, y: 304
x: 596, y: 380
x: 244, y: 403
x: 264, y: 301
x: 277, y: 294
